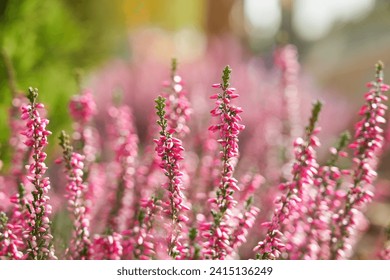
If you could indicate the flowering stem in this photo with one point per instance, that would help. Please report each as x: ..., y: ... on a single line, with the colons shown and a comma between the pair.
x: 229, y: 127
x: 368, y: 141
x: 245, y: 223
x: 271, y: 246
x: 169, y: 150
x: 80, y: 242
x: 37, y: 236
x: 320, y: 206
x: 143, y: 245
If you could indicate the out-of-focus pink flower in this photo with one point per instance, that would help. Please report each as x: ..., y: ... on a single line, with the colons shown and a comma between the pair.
x: 11, y: 244
x: 80, y: 243
x: 177, y: 105
x: 141, y: 244
x: 16, y: 141
x: 82, y: 107
x: 125, y: 142
x: 107, y: 247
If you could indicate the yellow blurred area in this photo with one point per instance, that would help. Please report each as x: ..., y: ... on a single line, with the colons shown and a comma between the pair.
x: 171, y: 15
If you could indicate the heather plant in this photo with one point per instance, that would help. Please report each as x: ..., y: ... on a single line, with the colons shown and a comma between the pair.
x: 188, y: 194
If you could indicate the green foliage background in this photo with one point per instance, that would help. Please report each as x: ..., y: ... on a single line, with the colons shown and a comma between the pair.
x: 46, y: 41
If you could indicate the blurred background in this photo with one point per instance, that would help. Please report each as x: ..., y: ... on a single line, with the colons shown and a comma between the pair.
x: 60, y: 46
x: 46, y: 41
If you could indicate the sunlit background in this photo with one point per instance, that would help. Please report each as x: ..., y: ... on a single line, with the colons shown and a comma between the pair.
x: 47, y: 41
x: 337, y: 39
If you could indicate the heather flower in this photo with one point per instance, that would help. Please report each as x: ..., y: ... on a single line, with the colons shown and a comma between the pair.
x: 96, y: 196
x: 18, y: 220
x: 107, y: 247
x: 141, y: 244
x: 366, y: 145
x: 75, y: 193
x: 126, y: 149
x: 37, y: 235
x: 177, y: 105
x: 322, y: 203
x: 247, y: 216
x: 20, y: 150
x: 246, y: 221
x: 218, y: 231
x: 82, y: 108
x: 17, y: 181
x: 289, y: 205
x: 178, y: 110
x: 286, y: 59
x: 10, y: 243
x: 169, y: 149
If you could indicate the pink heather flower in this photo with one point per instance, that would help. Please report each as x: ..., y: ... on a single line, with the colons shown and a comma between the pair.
x: 289, y: 205
x: 141, y: 245
x: 246, y: 221
x: 218, y: 232
x: 249, y: 185
x: 286, y: 59
x: 75, y: 193
x: 16, y: 140
x: 10, y: 243
x: 246, y: 218
x: 96, y: 196
x: 126, y: 150
x: 107, y: 247
x: 367, y: 144
x: 37, y: 235
x: 177, y: 105
x: 82, y: 109
x: 169, y: 149
x: 18, y: 222
x: 322, y: 203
